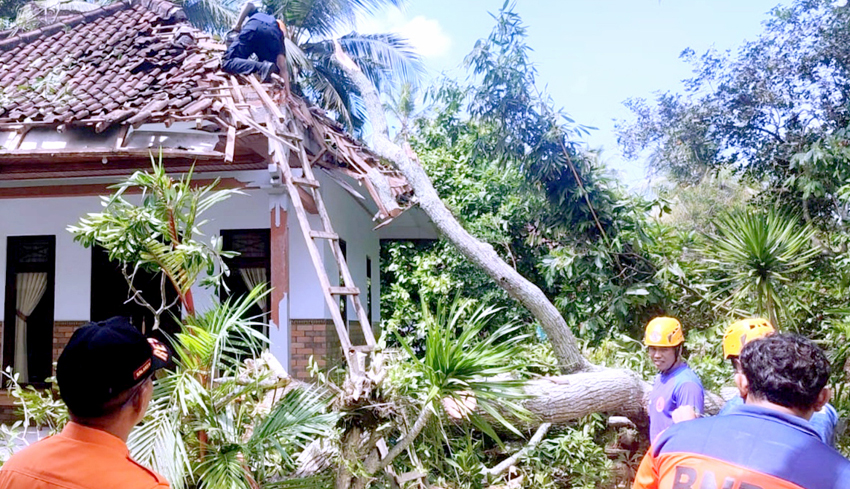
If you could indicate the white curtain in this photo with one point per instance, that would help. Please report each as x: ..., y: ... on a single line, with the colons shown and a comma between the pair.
x: 30, y: 288
x: 254, y: 277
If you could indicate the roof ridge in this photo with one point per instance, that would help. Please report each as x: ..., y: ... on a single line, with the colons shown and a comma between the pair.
x: 163, y: 8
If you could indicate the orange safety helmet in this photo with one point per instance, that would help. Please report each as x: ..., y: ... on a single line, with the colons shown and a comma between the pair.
x: 664, y: 331
x: 742, y: 332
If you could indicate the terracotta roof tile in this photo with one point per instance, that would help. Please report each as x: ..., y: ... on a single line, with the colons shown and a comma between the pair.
x: 112, y: 59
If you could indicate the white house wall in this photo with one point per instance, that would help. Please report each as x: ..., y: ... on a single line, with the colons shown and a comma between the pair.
x: 50, y: 216
x: 354, y: 225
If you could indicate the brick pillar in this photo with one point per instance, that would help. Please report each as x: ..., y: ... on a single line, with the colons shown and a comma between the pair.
x: 62, y: 331
x: 279, y: 264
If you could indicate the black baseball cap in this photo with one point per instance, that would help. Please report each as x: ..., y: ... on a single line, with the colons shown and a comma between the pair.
x: 104, y: 359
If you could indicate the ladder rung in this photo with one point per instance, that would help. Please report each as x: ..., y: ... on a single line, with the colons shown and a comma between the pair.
x: 305, y: 182
x: 363, y: 348
x: 344, y: 290
x: 323, y: 235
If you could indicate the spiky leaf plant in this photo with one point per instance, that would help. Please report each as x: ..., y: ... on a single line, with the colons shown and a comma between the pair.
x: 758, y: 252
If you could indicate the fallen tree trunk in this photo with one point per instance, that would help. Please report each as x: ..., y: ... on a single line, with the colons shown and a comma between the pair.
x: 616, y: 392
x: 482, y: 254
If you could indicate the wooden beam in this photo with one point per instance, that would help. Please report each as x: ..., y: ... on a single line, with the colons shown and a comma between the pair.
x: 231, y: 145
x: 265, y: 97
x: 76, y: 190
x: 122, y: 134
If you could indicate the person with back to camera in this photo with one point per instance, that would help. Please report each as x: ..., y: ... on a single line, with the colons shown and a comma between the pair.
x: 767, y: 443
x: 105, y: 377
x: 742, y: 332
x: 261, y: 35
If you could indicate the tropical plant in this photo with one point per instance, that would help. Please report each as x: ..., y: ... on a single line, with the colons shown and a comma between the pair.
x: 758, y: 252
x: 312, y: 30
x: 160, y: 235
x: 463, y: 371
x: 220, y: 418
x: 215, y: 423
x: 459, y: 366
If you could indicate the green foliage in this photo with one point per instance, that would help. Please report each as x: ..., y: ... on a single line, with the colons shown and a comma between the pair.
x: 387, y: 58
x: 461, y: 362
x: 759, y: 252
x: 572, y: 458
x: 38, y: 409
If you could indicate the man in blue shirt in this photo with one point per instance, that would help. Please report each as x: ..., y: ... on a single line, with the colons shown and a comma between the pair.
x: 677, y: 394
x: 738, y: 334
x: 766, y: 443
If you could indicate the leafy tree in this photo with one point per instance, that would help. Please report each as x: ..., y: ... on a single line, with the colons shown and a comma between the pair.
x: 776, y: 109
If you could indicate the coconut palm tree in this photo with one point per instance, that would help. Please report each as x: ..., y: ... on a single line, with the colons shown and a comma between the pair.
x: 313, y: 27
x: 757, y: 253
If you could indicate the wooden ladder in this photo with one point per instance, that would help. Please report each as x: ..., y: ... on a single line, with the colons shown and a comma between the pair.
x: 289, y: 137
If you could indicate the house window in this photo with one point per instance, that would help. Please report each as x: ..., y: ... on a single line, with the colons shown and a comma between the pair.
x: 28, y: 315
x: 343, y: 299
x: 369, y: 288
x: 251, y: 267
x: 111, y: 296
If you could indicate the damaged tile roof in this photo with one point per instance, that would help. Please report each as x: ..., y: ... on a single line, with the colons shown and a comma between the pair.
x: 106, y: 65
x: 139, y: 61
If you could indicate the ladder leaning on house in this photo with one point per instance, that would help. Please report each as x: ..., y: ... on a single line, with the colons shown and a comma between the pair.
x: 286, y: 135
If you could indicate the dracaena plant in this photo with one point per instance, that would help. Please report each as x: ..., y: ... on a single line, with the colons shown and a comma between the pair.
x: 758, y: 253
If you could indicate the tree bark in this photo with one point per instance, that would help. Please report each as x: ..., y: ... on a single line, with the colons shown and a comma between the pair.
x: 482, y: 254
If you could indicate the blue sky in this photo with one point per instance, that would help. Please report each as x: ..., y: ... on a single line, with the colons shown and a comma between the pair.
x: 591, y: 54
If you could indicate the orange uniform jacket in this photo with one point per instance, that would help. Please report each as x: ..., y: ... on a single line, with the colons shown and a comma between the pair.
x: 78, y: 458
x: 751, y: 448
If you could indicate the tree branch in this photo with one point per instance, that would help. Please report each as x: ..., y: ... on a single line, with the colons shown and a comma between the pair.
x: 482, y: 254
x: 513, y: 459
x: 395, y: 451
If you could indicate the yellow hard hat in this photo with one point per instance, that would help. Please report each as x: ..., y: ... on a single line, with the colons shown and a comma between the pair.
x: 664, y: 331
x: 741, y: 332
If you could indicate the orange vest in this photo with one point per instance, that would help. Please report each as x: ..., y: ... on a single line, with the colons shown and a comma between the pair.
x: 78, y: 458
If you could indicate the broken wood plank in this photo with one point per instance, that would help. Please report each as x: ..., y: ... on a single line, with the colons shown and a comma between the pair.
x: 305, y: 182
x: 230, y: 147
x: 237, y: 90
x: 122, y: 135
x: 258, y: 87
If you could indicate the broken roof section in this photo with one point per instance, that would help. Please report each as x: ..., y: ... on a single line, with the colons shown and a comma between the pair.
x: 139, y: 62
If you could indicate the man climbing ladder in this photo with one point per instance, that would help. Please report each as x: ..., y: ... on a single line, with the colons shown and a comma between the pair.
x: 262, y: 35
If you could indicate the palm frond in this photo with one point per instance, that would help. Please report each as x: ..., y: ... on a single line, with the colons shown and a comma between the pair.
x: 224, y: 469
x: 158, y: 443
x: 322, y: 18
x: 211, y: 15
x: 385, y: 58
x: 461, y: 361
x: 758, y: 252
x: 299, y: 417
x: 221, y: 337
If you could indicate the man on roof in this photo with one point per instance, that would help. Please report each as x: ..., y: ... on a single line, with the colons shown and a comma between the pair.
x: 738, y: 334
x: 765, y: 443
x: 263, y: 36
x: 677, y: 394
x: 105, y: 377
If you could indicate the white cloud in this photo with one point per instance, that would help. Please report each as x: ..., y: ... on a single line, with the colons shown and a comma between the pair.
x: 425, y: 35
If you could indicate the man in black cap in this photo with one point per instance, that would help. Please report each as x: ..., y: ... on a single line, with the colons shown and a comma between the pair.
x: 105, y: 377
